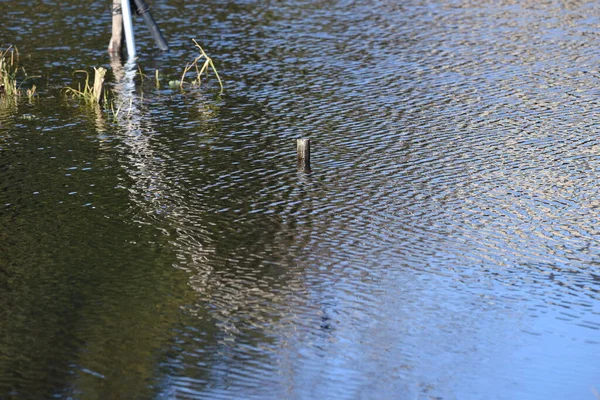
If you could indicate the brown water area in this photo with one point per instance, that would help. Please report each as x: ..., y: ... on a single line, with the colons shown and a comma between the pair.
x: 446, y: 244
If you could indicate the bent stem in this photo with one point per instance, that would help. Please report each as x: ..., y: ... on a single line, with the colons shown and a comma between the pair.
x: 208, y: 63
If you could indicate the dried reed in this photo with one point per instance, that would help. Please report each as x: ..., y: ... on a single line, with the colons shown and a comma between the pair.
x: 208, y: 63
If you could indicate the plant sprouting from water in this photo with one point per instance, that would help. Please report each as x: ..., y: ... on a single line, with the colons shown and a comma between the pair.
x: 206, y: 65
x: 31, y: 93
x: 119, y: 109
x: 12, y: 77
x: 8, y: 72
x: 90, y: 94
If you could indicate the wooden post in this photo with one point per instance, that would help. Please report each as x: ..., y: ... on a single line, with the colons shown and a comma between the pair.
x: 116, y: 41
x: 303, y: 148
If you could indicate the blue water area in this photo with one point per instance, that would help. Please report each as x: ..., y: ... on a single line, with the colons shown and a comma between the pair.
x: 164, y: 245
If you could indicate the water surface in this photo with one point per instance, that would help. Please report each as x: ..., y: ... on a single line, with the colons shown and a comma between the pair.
x: 444, y: 247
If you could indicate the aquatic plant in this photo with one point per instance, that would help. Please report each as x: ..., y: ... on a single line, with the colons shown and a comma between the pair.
x: 12, y: 77
x: 8, y: 73
x: 31, y: 93
x: 206, y: 65
x: 90, y: 94
x: 117, y: 111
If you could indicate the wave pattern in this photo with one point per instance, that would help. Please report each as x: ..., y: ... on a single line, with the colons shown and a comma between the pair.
x: 446, y: 243
x: 453, y: 197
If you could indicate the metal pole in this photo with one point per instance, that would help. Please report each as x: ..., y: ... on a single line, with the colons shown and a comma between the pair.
x: 156, y: 34
x: 128, y: 25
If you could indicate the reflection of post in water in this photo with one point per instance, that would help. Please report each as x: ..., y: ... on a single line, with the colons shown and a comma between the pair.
x: 144, y: 168
x: 153, y: 193
x: 238, y: 264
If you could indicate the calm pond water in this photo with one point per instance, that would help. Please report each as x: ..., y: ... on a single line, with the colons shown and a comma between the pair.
x: 445, y: 246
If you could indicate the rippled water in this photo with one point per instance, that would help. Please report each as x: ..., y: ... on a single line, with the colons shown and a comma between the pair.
x: 444, y: 246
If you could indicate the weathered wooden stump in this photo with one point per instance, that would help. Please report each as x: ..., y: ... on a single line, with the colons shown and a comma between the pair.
x: 303, y: 158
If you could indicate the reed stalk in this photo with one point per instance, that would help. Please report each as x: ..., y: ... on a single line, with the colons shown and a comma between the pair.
x: 31, y: 93
x: 8, y: 73
x: 206, y: 65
